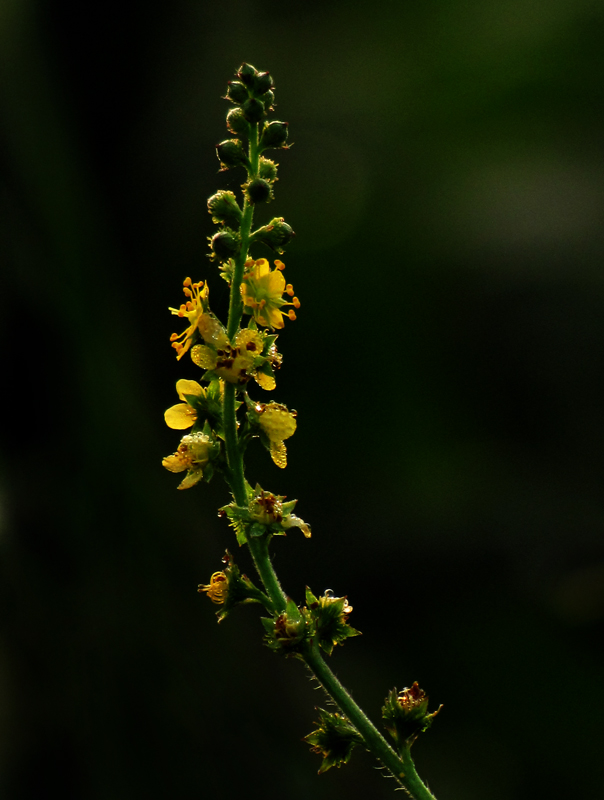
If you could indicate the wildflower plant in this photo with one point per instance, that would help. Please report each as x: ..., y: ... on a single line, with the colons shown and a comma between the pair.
x: 220, y: 416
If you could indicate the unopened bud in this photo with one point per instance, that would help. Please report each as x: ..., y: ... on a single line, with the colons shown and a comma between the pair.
x: 247, y: 73
x: 262, y: 83
x: 224, y: 245
x: 259, y: 191
x: 267, y: 169
x: 276, y: 234
x: 237, y: 123
x: 231, y: 153
x: 253, y: 110
x: 267, y: 100
x: 274, y: 134
x: 224, y: 208
x: 237, y: 93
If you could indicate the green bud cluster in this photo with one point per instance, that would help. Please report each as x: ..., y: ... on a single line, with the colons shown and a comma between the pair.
x: 252, y: 96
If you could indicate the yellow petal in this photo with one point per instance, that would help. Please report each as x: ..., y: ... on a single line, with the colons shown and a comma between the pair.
x: 266, y: 382
x: 181, y: 416
x: 203, y: 357
x: 262, y: 268
x: 274, y: 317
x: 175, y: 463
x: 279, y: 454
x: 275, y: 283
x: 184, y: 387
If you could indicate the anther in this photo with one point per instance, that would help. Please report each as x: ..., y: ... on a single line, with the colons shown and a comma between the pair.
x: 279, y: 264
x: 296, y: 302
x: 173, y: 337
x: 289, y: 289
x: 187, y: 292
x: 186, y: 282
x: 292, y: 315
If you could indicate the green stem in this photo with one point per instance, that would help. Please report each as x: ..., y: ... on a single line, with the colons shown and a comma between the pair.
x: 259, y: 550
x: 236, y: 303
x: 234, y: 458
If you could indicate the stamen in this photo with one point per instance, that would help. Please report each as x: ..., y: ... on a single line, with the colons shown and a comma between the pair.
x: 289, y: 289
x: 173, y: 337
x: 292, y: 315
x: 187, y: 292
x: 296, y: 302
x: 279, y: 264
x: 189, y: 306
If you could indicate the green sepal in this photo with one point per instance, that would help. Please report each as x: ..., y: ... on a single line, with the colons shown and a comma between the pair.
x: 269, y: 624
x: 208, y: 473
x: 210, y: 375
x: 334, y: 739
x: 311, y: 600
x: 269, y: 341
x: 288, y: 507
x: 256, y: 530
x: 252, y: 324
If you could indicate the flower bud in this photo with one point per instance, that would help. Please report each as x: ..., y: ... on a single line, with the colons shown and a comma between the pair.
x: 259, y: 191
x: 267, y: 100
x: 231, y: 153
x: 267, y: 169
x: 262, y: 83
x: 224, y: 208
x: 276, y: 234
x: 224, y: 245
x: 237, y: 93
x: 237, y: 123
x: 274, y: 134
x: 247, y: 73
x: 253, y: 110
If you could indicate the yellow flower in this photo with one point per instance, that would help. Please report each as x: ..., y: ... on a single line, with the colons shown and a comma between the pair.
x: 197, y: 311
x: 278, y: 423
x: 262, y: 291
x: 193, y: 454
x: 182, y: 415
x: 241, y: 361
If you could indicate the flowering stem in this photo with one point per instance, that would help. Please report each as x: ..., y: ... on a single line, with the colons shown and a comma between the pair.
x: 402, y: 768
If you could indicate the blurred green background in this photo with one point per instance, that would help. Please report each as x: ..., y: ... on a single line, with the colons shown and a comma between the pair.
x: 446, y: 187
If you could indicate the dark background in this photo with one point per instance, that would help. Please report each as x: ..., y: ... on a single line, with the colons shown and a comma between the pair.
x: 446, y: 187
